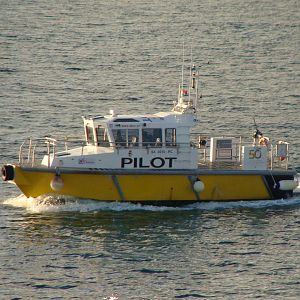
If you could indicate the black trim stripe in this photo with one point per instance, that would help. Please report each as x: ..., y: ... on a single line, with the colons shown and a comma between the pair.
x: 273, y: 188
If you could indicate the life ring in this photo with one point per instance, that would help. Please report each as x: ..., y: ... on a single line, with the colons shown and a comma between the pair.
x: 264, y: 141
x: 8, y: 172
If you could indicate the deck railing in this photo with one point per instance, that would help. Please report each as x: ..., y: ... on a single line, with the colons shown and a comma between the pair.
x: 214, y: 157
x: 32, y: 151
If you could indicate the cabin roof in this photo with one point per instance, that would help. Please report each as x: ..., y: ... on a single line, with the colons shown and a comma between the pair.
x: 160, y: 117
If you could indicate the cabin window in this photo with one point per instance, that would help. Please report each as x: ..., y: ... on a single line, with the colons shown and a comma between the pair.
x: 126, y: 137
x: 170, y: 137
x: 224, y: 144
x: 102, y: 138
x: 120, y: 137
x: 152, y: 137
x: 89, y: 134
x: 133, y: 137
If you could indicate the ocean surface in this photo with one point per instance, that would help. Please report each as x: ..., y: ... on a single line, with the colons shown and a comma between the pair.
x: 60, y: 60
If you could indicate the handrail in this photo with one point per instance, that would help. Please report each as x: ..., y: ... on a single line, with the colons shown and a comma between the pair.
x: 30, y: 150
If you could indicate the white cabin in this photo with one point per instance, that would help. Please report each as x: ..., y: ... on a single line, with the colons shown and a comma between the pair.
x: 159, y: 141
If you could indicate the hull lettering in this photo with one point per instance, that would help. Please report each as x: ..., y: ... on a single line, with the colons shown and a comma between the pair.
x: 139, y: 162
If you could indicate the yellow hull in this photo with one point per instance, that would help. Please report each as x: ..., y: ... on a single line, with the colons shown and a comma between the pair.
x: 154, y: 188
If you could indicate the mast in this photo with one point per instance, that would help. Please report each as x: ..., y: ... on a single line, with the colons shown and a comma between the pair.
x: 188, y: 92
x: 182, y: 66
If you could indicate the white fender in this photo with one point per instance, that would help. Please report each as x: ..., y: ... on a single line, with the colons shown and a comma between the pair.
x: 287, y: 185
x: 198, y: 186
x: 56, y: 183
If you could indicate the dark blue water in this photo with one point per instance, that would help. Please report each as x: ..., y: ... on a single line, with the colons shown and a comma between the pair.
x: 60, y: 60
x: 83, y: 251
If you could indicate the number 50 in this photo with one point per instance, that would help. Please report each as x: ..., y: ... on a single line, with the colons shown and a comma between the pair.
x: 254, y: 154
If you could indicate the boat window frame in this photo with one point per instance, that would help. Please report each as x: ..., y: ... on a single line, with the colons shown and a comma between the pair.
x: 154, y: 139
x: 129, y: 137
x: 119, y: 138
x: 104, y: 142
x: 172, y: 142
x: 90, y: 137
x: 133, y: 137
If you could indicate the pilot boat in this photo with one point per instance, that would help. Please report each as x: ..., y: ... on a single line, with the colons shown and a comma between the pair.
x: 155, y: 159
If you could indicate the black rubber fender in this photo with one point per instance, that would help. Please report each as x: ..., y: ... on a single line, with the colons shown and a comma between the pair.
x: 8, y: 172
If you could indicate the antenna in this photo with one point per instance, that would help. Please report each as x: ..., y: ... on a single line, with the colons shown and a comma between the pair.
x: 182, y: 68
x: 191, y: 60
x: 255, y: 126
x: 257, y: 131
x: 188, y: 91
x: 191, y: 66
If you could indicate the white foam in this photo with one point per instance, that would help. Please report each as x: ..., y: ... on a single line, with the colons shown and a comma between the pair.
x: 246, y: 204
x: 49, y: 204
x: 297, y: 189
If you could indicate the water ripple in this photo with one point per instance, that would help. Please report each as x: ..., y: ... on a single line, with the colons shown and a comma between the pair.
x: 61, y: 60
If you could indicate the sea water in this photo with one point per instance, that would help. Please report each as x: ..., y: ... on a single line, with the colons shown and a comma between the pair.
x: 63, y: 59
